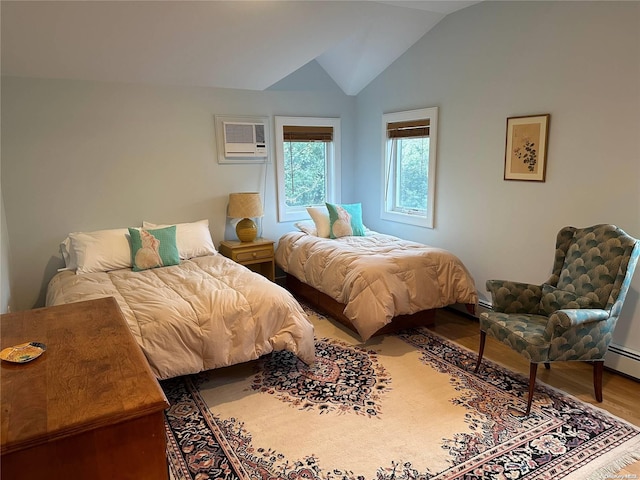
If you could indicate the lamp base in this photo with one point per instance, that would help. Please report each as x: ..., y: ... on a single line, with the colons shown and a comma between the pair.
x: 246, y: 230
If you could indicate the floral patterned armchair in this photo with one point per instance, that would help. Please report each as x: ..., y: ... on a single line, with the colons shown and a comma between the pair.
x: 573, y: 314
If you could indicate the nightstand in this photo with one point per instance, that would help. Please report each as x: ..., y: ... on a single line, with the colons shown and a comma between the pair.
x: 257, y: 255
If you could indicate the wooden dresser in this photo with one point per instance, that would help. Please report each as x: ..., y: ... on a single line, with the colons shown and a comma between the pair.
x: 88, y: 407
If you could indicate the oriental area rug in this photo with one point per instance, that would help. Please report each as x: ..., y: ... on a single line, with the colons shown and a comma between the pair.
x: 403, y: 406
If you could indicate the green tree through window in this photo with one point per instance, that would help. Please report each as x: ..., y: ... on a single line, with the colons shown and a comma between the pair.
x: 410, y: 162
x: 413, y: 174
x: 308, y: 164
x: 305, y: 173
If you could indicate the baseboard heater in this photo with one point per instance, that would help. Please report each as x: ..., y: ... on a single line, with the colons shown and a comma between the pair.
x: 485, y: 304
x: 624, y: 360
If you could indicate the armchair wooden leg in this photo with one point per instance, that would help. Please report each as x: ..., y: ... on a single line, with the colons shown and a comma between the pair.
x: 598, y: 367
x: 483, y: 339
x: 533, y: 369
x: 547, y: 365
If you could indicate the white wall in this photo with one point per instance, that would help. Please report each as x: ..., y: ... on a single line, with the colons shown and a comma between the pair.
x: 79, y: 156
x: 580, y: 62
x: 5, y: 284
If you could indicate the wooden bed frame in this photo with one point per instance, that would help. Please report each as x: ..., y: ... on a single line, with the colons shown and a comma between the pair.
x: 331, y: 307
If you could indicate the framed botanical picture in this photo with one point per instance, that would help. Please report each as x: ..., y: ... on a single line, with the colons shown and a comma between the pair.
x: 526, y: 150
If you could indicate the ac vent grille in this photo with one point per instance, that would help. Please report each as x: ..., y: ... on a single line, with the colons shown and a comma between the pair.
x: 244, y: 140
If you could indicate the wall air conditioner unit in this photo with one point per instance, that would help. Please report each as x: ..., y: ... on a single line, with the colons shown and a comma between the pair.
x: 242, y: 139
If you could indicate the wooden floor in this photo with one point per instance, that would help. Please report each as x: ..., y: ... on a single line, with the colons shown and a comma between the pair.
x: 621, y: 395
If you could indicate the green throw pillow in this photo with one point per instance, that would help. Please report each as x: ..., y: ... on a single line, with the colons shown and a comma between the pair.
x: 153, y: 248
x: 345, y: 220
x: 555, y: 299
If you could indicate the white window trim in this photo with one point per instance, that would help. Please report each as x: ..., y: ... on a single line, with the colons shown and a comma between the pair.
x: 385, y: 212
x: 292, y: 214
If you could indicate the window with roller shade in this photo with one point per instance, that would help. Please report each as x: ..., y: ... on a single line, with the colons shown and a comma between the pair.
x: 308, y: 157
x: 409, y: 166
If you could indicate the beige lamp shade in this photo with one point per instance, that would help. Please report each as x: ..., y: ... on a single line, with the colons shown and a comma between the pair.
x: 245, y: 205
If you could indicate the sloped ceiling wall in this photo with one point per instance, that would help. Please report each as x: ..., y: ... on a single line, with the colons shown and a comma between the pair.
x: 231, y: 44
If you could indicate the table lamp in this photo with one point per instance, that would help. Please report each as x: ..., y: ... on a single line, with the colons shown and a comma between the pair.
x: 246, y: 206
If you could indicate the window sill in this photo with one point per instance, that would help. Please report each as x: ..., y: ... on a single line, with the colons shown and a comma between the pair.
x: 408, y: 219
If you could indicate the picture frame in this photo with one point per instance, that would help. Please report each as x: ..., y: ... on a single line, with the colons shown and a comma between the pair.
x: 526, y: 148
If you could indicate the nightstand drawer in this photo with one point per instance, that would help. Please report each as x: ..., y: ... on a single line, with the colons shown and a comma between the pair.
x: 257, y: 255
x: 254, y: 255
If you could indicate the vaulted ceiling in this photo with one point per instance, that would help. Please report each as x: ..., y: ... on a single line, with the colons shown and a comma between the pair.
x: 231, y: 44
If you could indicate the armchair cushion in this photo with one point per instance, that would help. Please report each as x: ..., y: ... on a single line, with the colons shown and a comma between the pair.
x: 557, y: 299
x: 524, y: 333
x: 582, y: 334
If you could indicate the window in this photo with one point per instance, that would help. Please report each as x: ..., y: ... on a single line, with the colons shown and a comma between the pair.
x: 308, y: 159
x: 409, y: 166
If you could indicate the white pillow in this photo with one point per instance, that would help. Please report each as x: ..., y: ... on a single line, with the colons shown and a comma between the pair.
x: 98, y: 251
x: 320, y: 216
x: 69, y: 257
x: 307, y: 227
x: 193, y: 239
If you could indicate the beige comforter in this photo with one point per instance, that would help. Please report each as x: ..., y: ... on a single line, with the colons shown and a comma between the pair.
x: 377, y: 276
x: 205, y: 313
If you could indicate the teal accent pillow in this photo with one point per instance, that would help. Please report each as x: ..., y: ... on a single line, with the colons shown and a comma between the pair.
x: 555, y: 299
x: 345, y: 220
x: 153, y: 248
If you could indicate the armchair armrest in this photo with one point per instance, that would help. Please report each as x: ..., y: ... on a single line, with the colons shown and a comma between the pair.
x: 579, y: 334
x: 514, y: 297
x: 569, y: 318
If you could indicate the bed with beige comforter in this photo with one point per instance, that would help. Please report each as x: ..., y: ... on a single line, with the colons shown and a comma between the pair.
x: 206, y: 312
x: 377, y: 277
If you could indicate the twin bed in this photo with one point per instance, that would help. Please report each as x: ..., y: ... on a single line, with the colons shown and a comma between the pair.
x: 376, y: 283
x: 204, y: 311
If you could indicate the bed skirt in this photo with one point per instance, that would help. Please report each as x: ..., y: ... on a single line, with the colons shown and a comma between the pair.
x: 331, y: 307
